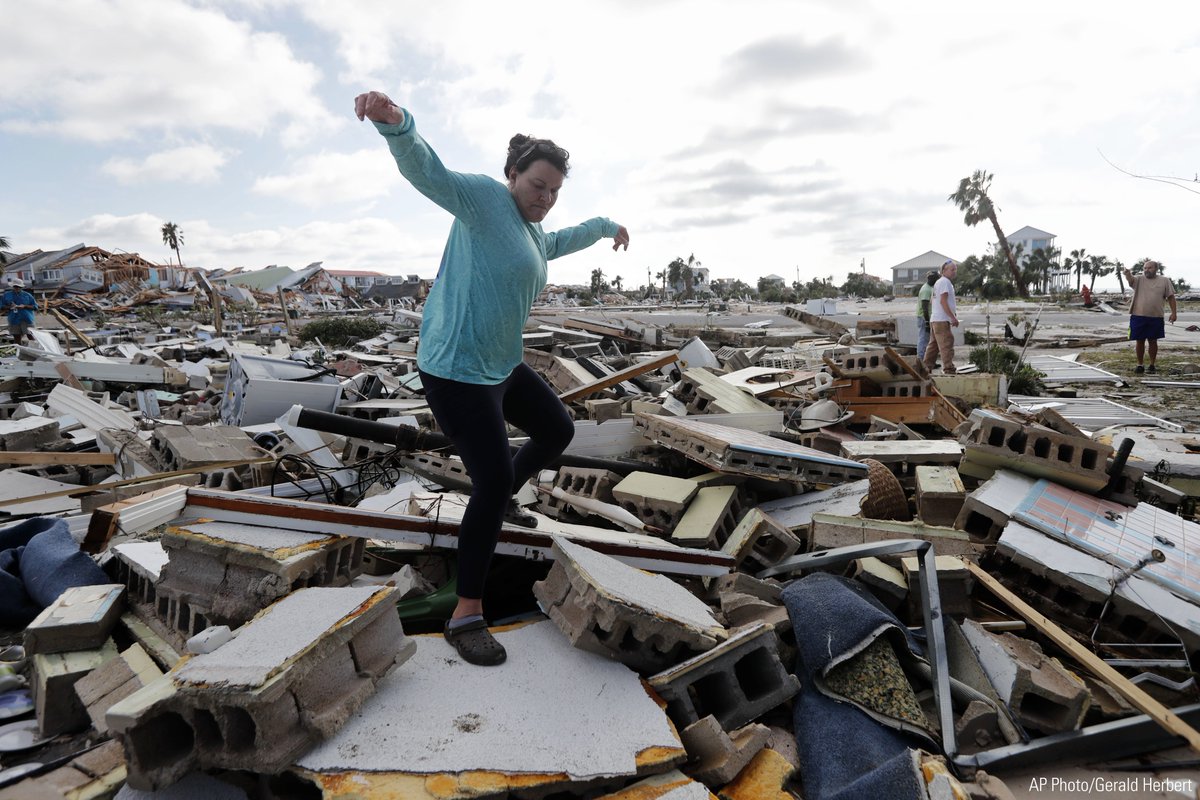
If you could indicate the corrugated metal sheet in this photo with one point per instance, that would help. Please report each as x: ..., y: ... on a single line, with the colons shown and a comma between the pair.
x: 1063, y: 370
x: 1092, y: 413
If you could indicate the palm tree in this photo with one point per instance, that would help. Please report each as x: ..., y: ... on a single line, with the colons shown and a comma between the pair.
x: 688, y: 277
x: 972, y: 199
x: 675, y: 272
x: 1098, y: 267
x: 172, y: 236
x: 662, y: 275
x: 4, y: 245
x: 1076, y: 262
x: 1119, y: 268
x: 597, y: 282
x: 617, y: 283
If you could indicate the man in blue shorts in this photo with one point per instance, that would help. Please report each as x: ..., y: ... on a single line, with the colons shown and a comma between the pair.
x: 1146, y: 311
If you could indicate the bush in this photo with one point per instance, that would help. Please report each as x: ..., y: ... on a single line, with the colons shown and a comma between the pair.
x: 337, y: 331
x: 971, y: 338
x: 1025, y: 380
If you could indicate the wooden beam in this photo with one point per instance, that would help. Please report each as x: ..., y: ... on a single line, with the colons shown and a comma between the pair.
x: 287, y: 318
x: 1143, y: 702
x: 64, y: 371
x: 66, y: 323
x: 25, y: 458
x: 834, y: 369
x: 617, y: 377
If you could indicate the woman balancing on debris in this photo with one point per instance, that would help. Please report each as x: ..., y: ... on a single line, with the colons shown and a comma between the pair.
x: 470, y: 355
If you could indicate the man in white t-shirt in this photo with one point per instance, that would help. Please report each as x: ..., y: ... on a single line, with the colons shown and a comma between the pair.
x: 943, y: 317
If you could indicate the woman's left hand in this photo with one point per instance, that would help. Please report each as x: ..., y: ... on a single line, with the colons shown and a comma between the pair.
x: 622, y: 238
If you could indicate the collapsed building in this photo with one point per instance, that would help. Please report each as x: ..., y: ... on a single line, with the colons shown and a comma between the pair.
x: 772, y: 563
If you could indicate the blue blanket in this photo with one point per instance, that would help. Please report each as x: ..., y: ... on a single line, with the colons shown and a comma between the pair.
x: 845, y: 754
x: 39, y: 561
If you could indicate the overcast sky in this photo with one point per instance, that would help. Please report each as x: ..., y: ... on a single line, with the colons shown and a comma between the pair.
x: 762, y: 137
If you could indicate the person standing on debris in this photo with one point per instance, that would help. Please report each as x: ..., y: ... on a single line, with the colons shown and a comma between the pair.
x: 942, y: 318
x: 1146, y: 311
x: 470, y: 353
x: 20, y: 306
x: 924, y: 307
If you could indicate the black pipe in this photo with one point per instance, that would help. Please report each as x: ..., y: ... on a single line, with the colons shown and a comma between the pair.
x: 1116, y: 467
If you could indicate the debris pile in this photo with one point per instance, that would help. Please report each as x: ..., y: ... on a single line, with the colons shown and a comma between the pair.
x: 771, y: 564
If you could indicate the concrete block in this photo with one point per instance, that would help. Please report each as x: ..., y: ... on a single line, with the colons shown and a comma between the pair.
x: 225, y: 573
x: 903, y: 457
x: 604, y: 409
x: 56, y: 704
x: 744, y: 611
x: 940, y: 494
x: 994, y: 440
x: 1042, y: 694
x: 767, y: 589
x: 709, y: 519
x: 596, y: 484
x: 954, y: 585
x: 30, y: 433
x: 446, y: 471
x: 80, y: 619
x: 764, y: 778
x: 645, y: 407
x: 114, y: 680
x: 888, y: 584
x: 642, y: 620
x: 180, y: 447
x: 705, y: 393
x: 747, y: 453
x: 985, y: 511
x: 716, y: 757
x: 737, y: 681
x: 977, y: 728
x: 291, y: 676
x: 658, y: 500
x: 760, y: 541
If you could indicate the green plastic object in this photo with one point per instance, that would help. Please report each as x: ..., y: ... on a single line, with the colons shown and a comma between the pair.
x: 435, y: 606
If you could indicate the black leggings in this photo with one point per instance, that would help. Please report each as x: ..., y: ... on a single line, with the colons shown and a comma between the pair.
x: 473, y: 416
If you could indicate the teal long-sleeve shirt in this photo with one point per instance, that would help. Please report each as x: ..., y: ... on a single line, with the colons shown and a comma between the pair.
x: 493, y: 267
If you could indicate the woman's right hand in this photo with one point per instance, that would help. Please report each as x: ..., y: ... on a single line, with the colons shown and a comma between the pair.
x: 378, y: 107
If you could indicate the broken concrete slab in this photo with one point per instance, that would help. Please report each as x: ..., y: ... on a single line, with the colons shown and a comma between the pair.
x: 515, y: 726
x: 764, y: 778
x: 645, y: 621
x: 716, y: 757
x: 226, y: 573
x: 30, y: 433
x: 746, y: 453
x: 828, y: 531
x: 291, y: 677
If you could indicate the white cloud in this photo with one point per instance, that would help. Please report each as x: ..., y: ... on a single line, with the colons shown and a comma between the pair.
x: 198, y: 163
x: 328, y: 178
x: 102, y: 70
x: 364, y: 243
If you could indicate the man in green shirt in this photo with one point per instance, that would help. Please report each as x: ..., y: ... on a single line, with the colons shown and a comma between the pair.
x: 924, y: 308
